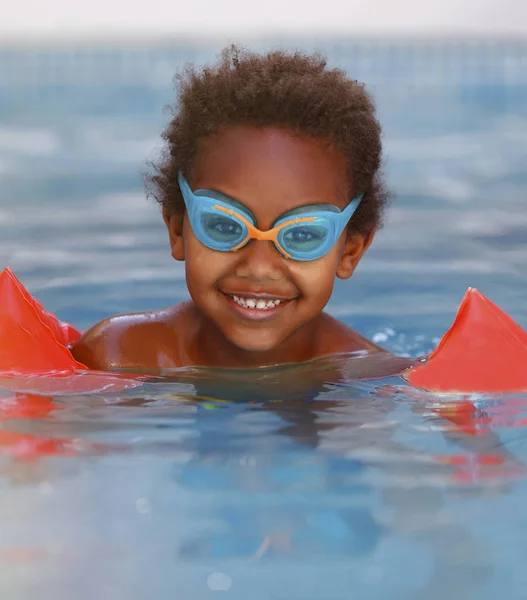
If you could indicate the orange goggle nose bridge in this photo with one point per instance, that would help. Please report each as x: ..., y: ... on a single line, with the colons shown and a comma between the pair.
x: 254, y: 233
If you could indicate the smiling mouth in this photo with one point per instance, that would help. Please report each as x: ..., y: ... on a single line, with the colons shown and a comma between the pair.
x: 256, y: 303
x: 258, y: 306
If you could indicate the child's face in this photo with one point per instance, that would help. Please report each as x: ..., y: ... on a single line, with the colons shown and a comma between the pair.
x: 270, y: 171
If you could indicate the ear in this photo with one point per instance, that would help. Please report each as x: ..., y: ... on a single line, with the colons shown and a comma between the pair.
x: 355, y: 246
x: 174, y: 225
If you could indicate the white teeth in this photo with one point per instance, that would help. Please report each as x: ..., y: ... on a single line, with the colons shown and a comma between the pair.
x: 257, y: 303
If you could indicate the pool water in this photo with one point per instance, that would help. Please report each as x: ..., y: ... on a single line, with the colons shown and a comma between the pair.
x: 301, y: 482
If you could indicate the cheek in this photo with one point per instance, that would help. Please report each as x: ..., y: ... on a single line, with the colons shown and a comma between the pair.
x: 203, y: 266
x: 316, y: 278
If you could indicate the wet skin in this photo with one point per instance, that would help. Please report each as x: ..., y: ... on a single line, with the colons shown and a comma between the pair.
x: 270, y: 171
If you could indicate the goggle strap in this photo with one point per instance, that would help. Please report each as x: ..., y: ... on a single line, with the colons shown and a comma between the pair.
x: 349, y: 211
x: 184, y: 186
x: 352, y: 206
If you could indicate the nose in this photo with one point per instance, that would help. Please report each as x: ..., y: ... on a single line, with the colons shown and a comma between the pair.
x: 260, y: 261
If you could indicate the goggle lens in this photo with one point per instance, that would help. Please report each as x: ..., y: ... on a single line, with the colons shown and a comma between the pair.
x: 222, y: 228
x: 304, y: 238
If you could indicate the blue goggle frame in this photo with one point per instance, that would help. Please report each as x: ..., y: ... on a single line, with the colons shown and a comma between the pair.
x: 303, y: 234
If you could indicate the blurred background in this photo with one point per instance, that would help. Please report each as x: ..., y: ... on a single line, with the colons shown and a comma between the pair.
x: 82, y: 96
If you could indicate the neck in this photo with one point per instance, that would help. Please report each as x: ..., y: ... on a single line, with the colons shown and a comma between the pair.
x: 208, y: 347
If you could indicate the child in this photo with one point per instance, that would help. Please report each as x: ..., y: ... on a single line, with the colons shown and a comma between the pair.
x: 269, y: 189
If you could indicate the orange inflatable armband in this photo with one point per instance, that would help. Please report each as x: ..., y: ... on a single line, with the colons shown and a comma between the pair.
x: 31, y: 340
x: 484, y: 351
x: 34, y: 351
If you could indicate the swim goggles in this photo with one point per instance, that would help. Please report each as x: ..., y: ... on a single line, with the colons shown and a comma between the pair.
x: 305, y: 233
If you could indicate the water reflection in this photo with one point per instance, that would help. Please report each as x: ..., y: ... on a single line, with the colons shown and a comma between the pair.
x: 290, y: 465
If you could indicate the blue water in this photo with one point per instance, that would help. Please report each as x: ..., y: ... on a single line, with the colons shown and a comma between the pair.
x: 295, y: 483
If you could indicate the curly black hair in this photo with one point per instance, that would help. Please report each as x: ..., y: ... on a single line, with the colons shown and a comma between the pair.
x: 294, y: 91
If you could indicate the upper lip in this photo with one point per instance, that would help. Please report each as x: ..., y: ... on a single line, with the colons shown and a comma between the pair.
x: 260, y: 295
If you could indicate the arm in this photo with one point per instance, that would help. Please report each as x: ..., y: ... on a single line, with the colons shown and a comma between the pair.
x: 130, y: 341
x: 98, y: 348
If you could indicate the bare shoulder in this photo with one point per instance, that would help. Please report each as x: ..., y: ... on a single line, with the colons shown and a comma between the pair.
x: 338, y: 337
x: 131, y: 340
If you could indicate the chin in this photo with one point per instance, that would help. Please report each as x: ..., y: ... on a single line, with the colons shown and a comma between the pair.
x: 254, y: 342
